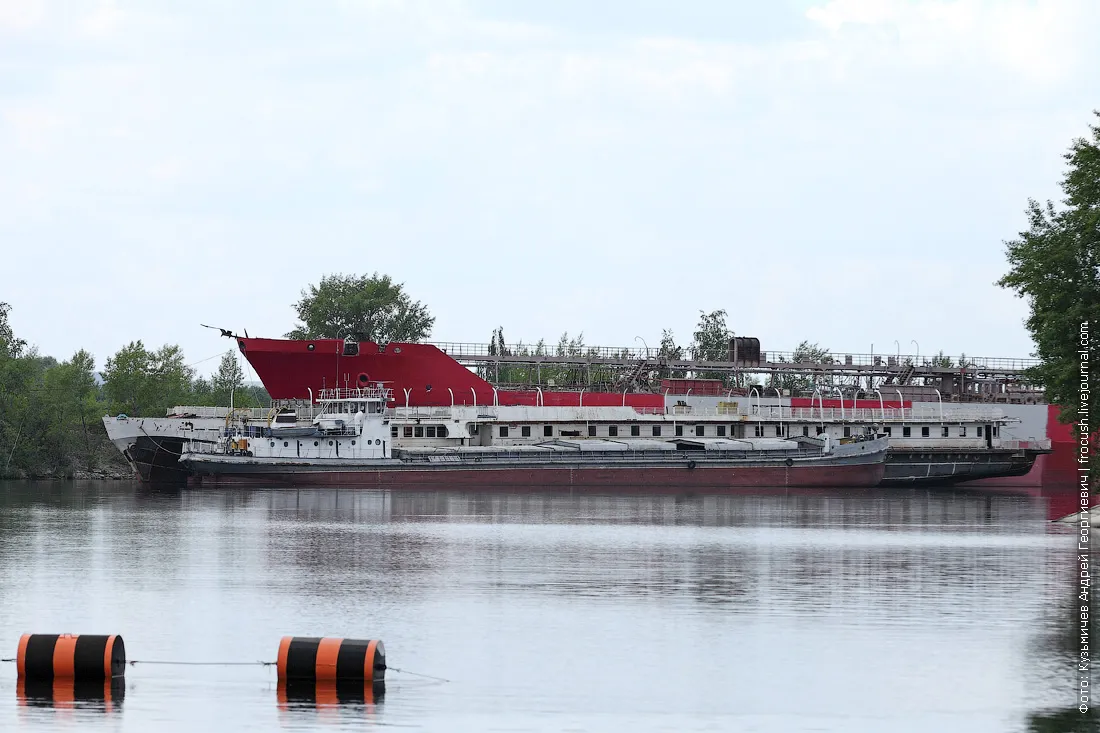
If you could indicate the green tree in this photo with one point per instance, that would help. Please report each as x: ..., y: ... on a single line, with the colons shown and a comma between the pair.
x: 805, y: 353
x: 142, y: 382
x: 10, y: 346
x: 226, y: 383
x: 712, y: 341
x: 1055, y: 264
x: 669, y: 351
x: 71, y: 406
x: 365, y: 308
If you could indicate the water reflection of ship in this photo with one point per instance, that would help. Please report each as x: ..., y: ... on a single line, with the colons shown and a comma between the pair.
x: 809, y: 508
x: 1061, y: 638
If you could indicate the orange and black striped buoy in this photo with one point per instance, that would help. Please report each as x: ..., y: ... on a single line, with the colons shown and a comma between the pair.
x: 329, y: 659
x: 43, y: 657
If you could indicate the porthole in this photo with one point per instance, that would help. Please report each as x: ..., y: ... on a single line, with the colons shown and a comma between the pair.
x: 315, y: 443
x: 330, y: 442
x: 378, y: 441
x: 353, y: 442
x: 285, y: 444
x: 311, y: 347
x: 273, y: 444
x: 397, y: 349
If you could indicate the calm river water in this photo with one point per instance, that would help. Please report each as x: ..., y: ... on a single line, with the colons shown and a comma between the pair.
x: 894, y: 611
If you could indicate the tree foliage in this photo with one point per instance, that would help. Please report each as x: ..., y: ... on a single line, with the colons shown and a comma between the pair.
x: 550, y: 374
x: 1055, y: 264
x: 228, y: 380
x: 806, y: 353
x: 365, y: 308
x: 10, y: 346
x: 712, y: 337
x: 49, y: 411
x: 669, y: 351
x: 712, y: 341
x: 142, y: 382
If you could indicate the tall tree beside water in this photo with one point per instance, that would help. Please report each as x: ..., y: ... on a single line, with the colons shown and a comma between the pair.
x: 228, y: 380
x: 49, y: 411
x: 138, y: 381
x: 1055, y: 264
x: 366, y: 308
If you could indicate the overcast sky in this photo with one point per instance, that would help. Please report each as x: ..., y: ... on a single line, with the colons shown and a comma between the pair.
x: 841, y: 171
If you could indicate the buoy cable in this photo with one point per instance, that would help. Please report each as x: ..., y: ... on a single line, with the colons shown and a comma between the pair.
x: 201, y: 664
x: 418, y: 674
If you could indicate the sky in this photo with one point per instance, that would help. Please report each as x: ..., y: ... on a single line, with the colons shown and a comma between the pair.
x: 839, y: 171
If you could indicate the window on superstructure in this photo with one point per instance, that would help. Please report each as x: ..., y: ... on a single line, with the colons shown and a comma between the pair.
x: 779, y: 431
x: 805, y: 431
x: 441, y: 431
x: 887, y: 430
x: 847, y: 431
x: 548, y: 431
x: 525, y: 431
x: 924, y: 432
x: 408, y: 431
x: 418, y: 431
x: 656, y: 431
x: 700, y: 430
x: 943, y: 431
x: 995, y: 431
x: 721, y: 429
x: 613, y: 431
x: 393, y: 432
x: 979, y: 431
x: 430, y: 431
x: 906, y: 431
x: 591, y: 431
x: 636, y: 430
x: 679, y: 431
x: 503, y: 431
x: 820, y: 430
x: 962, y: 431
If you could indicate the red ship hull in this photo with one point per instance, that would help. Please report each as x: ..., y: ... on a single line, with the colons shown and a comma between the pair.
x: 420, y: 374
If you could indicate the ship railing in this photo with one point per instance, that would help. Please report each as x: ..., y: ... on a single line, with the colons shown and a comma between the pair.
x: 423, y: 413
x: 836, y: 414
x: 203, y: 411
x: 355, y: 393
x: 569, y: 456
x: 871, y: 360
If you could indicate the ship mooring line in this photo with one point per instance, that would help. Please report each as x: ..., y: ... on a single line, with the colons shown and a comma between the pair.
x: 173, y: 662
x: 132, y: 662
x: 417, y: 674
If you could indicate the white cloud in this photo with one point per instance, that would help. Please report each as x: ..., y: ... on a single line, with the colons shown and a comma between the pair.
x: 21, y: 15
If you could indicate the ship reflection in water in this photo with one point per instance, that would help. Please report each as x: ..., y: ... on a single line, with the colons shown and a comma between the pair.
x: 863, y: 611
